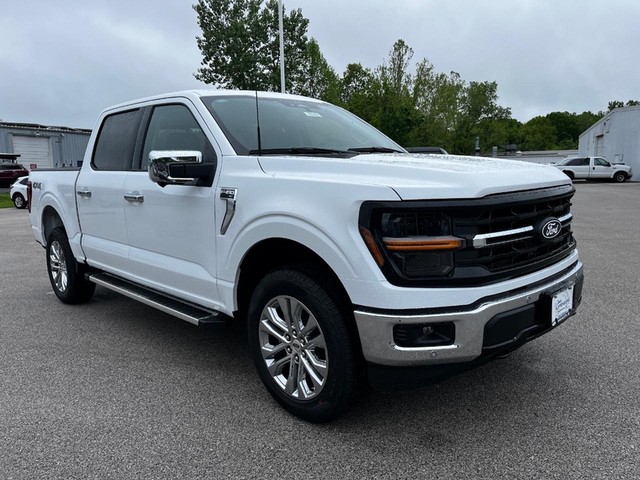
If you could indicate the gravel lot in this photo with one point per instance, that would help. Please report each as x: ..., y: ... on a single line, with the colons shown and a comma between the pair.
x: 115, y: 389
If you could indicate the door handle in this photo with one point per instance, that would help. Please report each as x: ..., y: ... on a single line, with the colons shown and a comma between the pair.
x: 134, y: 197
x: 84, y: 193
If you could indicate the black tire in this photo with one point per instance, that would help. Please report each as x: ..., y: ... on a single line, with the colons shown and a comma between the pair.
x: 301, y: 357
x: 569, y: 174
x: 620, y: 177
x: 65, y: 275
x: 19, y: 201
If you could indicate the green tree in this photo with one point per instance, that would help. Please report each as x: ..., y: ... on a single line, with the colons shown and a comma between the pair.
x: 396, y: 113
x: 356, y: 87
x: 619, y: 104
x: 539, y: 133
x: 240, y: 44
x: 319, y: 79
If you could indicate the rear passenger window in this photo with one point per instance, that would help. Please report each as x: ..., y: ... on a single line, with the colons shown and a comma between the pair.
x: 173, y: 127
x: 116, y: 141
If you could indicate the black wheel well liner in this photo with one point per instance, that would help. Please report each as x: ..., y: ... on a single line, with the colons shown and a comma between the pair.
x: 50, y: 220
x: 270, y: 254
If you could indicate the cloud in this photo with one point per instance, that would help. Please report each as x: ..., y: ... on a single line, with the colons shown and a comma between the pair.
x: 63, y: 62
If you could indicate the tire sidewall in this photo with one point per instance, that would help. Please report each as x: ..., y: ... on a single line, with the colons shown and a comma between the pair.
x: 337, y: 391
x: 620, y: 177
x: 78, y: 289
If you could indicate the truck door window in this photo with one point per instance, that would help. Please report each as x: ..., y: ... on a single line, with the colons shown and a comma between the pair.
x: 173, y: 127
x: 601, y: 162
x: 116, y: 141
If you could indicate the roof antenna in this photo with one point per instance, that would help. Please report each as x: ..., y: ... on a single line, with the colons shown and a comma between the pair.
x: 258, y: 122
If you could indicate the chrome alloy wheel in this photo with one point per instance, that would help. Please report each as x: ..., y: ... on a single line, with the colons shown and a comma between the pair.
x: 293, y: 347
x: 58, y: 266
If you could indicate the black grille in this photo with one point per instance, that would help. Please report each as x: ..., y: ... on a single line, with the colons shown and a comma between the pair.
x: 489, y: 254
x: 528, y: 249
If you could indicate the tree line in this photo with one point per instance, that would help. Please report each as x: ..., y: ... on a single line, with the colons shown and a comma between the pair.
x: 414, y: 105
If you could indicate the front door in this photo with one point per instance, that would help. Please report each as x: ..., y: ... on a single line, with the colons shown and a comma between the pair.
x: 171, y: 229
x: 601, y: 168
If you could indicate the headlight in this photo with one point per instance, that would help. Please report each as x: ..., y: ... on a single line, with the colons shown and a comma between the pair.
x: 414, y: 244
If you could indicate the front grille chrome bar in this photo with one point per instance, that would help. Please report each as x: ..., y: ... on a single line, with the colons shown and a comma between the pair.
x: 508, y: 236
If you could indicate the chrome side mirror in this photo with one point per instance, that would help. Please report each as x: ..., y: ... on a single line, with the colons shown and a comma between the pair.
x: 172, y: 167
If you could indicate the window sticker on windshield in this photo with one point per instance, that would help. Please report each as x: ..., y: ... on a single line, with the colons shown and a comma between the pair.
x: 312, y: 114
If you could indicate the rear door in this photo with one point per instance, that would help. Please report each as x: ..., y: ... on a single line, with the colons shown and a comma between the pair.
x: 171, y: 229
x: 99, y: 193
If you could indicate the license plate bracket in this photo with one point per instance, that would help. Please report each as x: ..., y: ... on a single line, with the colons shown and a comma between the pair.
x: 561, y: 304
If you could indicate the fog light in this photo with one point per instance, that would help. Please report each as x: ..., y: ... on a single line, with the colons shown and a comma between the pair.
x: 424, y: 334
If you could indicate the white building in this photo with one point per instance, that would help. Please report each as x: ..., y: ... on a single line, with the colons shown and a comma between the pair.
x: 616, y: 137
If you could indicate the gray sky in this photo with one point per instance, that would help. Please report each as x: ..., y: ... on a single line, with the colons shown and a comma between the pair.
x: 62, y: 62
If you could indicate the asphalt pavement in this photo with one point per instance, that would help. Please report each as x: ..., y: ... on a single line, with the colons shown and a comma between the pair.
x: 115, y: 390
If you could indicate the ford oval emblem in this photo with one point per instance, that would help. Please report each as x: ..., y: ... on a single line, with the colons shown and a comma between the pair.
x: 551, y: 229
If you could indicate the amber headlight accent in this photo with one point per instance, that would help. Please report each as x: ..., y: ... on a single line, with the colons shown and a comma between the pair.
x: 372, y: 246
x: 422, y: 243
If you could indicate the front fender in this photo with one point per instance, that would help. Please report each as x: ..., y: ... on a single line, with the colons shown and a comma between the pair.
x: 344, y: 252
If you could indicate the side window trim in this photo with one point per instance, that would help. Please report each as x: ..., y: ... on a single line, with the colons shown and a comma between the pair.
x: 141, y: 137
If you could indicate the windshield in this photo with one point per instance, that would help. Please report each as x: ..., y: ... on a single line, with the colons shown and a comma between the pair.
x: 294, y: 126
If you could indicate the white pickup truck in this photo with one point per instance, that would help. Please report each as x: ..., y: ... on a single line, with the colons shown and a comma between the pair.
x: 593, y: 168
x: 351, y: 260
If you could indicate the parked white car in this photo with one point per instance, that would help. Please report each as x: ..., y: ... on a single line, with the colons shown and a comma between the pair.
x: 18, y: 192
x: 593, y: 168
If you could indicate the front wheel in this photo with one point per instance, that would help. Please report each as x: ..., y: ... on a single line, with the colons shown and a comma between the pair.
x: 65, y: 274
x: 19, y: 201
x: 301, y: 346
x: 619, y: 177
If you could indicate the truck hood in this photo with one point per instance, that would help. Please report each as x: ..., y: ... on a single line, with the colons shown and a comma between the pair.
x: 416, y: 176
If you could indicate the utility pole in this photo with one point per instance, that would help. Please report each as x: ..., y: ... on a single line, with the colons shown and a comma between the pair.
x: 281, y: 30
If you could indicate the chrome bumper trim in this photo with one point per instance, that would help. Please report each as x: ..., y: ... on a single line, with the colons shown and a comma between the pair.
x: 376, y: 330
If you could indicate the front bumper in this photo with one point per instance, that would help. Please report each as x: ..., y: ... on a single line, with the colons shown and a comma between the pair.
x: 472, y: 340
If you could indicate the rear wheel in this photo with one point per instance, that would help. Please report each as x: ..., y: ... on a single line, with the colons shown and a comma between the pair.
x: 19, y: 201
x: 301, y: 346
x: 619, y: 177
x: 65, y: 274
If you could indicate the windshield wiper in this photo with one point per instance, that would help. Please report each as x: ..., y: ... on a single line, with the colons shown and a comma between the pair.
x: 374, y: 150
x: 297, y: 151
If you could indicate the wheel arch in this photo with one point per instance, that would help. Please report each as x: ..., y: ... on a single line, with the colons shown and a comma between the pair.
x: 272, y: 253
x: 51, y: 219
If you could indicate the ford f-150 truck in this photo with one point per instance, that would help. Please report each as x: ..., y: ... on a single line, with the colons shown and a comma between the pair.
x: 351, y: 260
x: 593, y: 168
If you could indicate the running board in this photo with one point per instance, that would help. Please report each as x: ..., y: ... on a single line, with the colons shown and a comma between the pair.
x: 183, y: 310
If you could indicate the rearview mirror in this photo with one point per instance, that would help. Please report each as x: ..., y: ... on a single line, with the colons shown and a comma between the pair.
x: 175, y: 167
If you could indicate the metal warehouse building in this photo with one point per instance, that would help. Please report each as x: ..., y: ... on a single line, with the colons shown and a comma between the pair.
x: 616, y: 137
x: 40, y: 146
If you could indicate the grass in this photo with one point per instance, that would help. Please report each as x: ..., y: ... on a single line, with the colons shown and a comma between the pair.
x: 5, y: 200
